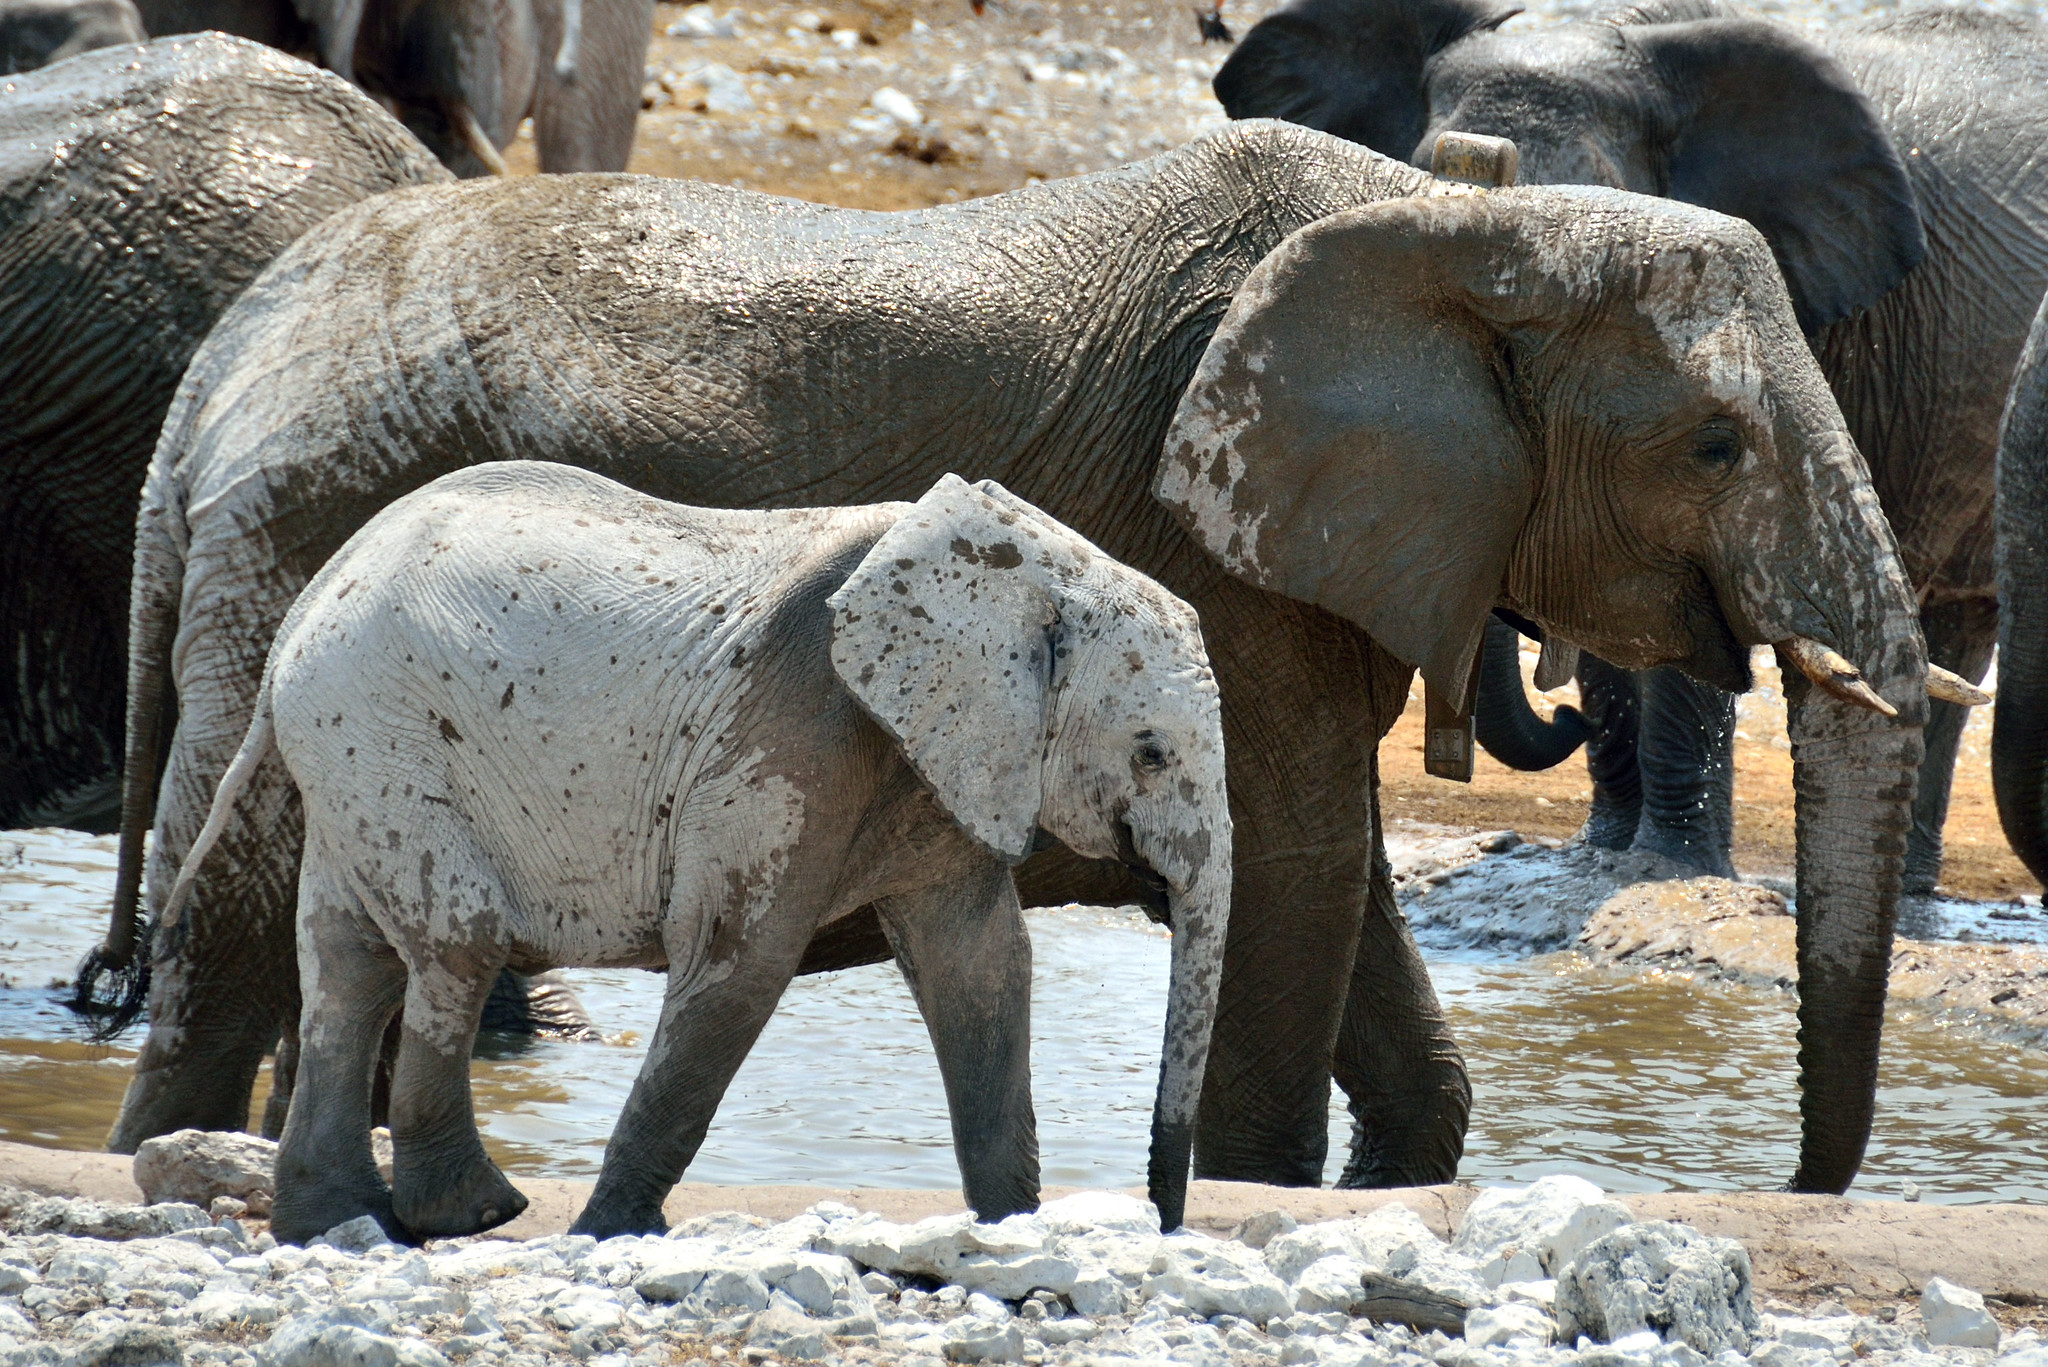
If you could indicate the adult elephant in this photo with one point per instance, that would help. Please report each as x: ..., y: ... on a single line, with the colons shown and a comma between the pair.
x: 2019, y: 732
x: 1376, y: 397
x: 462, y: 74
x: 35, y: 33
x: 140, y: 191
x: 1891, y: 164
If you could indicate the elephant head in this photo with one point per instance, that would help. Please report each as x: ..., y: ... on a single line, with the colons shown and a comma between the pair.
x: 1679, y: 98
x: 460, y: 74
x: 1034, y: 683
x: 1594, y: 409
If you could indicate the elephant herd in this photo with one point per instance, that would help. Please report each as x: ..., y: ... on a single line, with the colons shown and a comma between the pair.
x: 534, y: 571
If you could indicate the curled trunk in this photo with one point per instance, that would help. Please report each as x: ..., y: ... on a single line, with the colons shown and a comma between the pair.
x: 1505, y: 723
x: 2019, y: 731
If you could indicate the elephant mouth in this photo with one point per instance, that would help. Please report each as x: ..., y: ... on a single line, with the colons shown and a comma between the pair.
x: 1153, y: 894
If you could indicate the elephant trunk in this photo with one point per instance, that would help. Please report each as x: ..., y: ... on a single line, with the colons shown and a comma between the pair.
x: 1199, y: 914
x: 2019, y: 729
x: 1504, y: 722
x: 1853, y: 774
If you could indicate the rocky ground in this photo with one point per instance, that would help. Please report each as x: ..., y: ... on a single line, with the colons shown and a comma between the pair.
x: 1552, y: 1274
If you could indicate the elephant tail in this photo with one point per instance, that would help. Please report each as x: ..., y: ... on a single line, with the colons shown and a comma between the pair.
x: 159, y: 574
x: 1502, y: 720
x: 256, y: 747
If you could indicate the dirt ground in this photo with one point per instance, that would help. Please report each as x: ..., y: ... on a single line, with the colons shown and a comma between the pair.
x: 892, y: 104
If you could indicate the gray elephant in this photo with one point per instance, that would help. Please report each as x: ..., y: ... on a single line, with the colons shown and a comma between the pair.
x: 109, y: 278
x: 2019, y: 731
x: 1890, y: 164
x: 758, y: 723
x: 35, y: 33
x: 462, y: 74
x: 1388, y: 422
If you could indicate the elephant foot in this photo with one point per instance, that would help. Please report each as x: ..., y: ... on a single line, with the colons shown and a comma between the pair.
x: 1923, y: 864
x: 304, y: 1210
x: 437, y: 1204
x: 1609, y: 828
x: 1706, y: 851
x: 603, y: 1219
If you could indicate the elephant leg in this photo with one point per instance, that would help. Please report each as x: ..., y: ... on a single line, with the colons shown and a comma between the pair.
x: 1396, y: 1058
x: 715, y: 1007
x: 1613, y: 710
x: 587, y: 124
x: 1960, y: 637
x: 443, y: 1184
x: 284, y: 1074
x: 1305, y: 699
x: 354, y: 982
x: 1687, y: 760
x: 222, y: 983
x: 965, y: 953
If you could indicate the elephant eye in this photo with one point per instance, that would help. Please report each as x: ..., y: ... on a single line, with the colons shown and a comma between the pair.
x: 1150, y: 751
x: 1717, y: 444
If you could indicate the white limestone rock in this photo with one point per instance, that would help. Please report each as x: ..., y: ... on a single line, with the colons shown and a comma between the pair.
x: 1217, y: 1277
x: 974, y: 1339
x: 784, y: 1329
x: 25, y: 1213
x: 359, y: 1235
x: 1085, y: 1212
x: 1956, y: 1317
x: 200, y: 1166
x: 1671, y: 1279
x: 1332, y: 1283
x: 1516, y: 1325
x: 1008, y: 1259
x: 1549, y: 1220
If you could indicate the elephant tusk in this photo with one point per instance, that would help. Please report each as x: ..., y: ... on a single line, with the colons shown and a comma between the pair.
x: 1475, y: 159
x: 1558, y: 663
x: 1954, y: 688
x: 1832, y: 673
x: 474, y: 137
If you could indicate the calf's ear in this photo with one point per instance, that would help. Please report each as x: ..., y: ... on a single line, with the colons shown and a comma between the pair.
x: 943, y: 633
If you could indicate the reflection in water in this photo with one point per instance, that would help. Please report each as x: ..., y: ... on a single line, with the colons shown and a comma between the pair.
x: 1635, y: 1081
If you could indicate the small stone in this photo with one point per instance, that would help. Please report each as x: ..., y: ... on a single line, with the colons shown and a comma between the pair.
x: 1261, y: 1229
x: 1217, y: 1277
x: 1956, y: 1317
x: 130, y: 1345
x: 725, y: 90
x: 897, y: 105
x: 784, y: 1329
x: 968, y: 1339
x: 878, y: 1283
x: 359, y: 1235
x: 1550, y: 1220
x: 226, y: 1208
x: 1516, y: 1324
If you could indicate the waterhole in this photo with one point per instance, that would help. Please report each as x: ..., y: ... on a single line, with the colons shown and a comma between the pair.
x: 1637, y: 1081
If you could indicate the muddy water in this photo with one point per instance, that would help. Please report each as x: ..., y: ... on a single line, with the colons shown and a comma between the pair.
x: 1637, y: 1082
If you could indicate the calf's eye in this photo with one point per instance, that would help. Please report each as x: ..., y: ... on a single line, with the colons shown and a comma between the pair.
x: 1149, y: 752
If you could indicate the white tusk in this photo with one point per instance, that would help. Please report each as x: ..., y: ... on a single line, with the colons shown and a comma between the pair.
x: 1954, y: 688
x: 1558, y: 663
x: 474, y: 137
x: 1833, y: 674
x: 1475, y: 159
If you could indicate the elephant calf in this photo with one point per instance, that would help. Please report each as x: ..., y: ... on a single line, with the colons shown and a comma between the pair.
x: 539, y: 719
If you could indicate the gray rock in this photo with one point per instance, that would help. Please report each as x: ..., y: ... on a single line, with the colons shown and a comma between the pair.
x: 785, y: 1330
x: 198, y: 1166
x: 1550, y: 1220
x: 359, y: 1235
x: 968, y: 1339
x: 25, y: 1213
x: 1217, y: 1277
x: 1493, y: 1326
x: 1262, y: 1228
x: 1684, y: 1285
x: 1956, y: 1317
x: 130, y: 1345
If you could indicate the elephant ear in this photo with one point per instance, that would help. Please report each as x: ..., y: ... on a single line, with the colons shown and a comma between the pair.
x: 1348, y: 438
x: 944, y: 635
x: 1773, y: 130
x: 1349, y: 67
x: 335, y: 24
